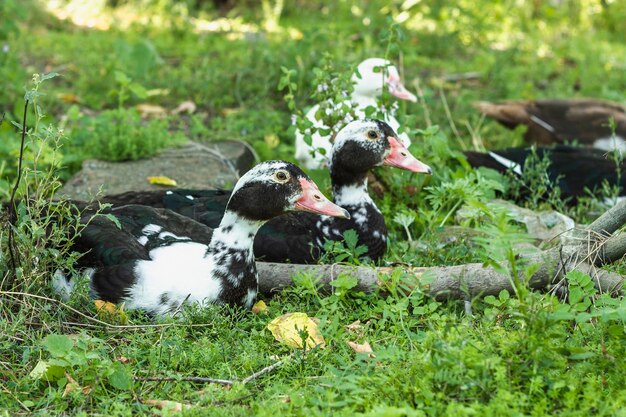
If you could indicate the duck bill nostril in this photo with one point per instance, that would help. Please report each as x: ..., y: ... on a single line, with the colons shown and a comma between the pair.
x: 313, y: 201
x: 400, y: 157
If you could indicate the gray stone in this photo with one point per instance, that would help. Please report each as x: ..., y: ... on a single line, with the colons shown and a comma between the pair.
x: 195, y: 165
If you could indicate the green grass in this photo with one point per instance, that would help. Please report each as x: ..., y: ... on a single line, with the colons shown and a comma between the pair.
x: 527, y: 355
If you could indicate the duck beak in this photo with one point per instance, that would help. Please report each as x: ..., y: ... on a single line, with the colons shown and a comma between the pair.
x: 397, y: 89
x: 400, y: 157
x: 313, y: 201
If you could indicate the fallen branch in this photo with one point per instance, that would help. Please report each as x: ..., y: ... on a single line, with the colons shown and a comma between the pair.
x: 447, y: 282
x: 185, y: 378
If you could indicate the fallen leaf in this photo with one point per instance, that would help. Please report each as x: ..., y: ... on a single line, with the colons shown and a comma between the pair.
x: 228, y: 111
x: 362, y: 348
x: 186, y: 107
x: 272, y: 140
x: 288, y: 329
x: 151, y: 110
x: 355, y: 327
x: 107, y: 310
x: 71, y: 385
x: 69, y: 98
x: 259, y: 307
x: 167, y: 405
x: 157, y: 92
x: 161, y: 180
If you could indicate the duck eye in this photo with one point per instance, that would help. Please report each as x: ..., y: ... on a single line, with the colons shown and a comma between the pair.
x: 372, y: 134
x: 281, y: 176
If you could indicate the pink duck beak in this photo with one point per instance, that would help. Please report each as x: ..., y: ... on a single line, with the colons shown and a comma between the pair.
x: 313, y: 201
x: 400, y: 157
x: 397, y: 89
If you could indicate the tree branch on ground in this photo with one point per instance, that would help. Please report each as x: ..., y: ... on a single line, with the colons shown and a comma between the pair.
x: 586, y: 251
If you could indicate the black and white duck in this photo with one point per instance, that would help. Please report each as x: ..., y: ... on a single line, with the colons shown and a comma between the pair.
x: 563, y: 121
x: 299, y: 237
x: 157, y: 259
x: 369, y: 79
x: 576, y: 171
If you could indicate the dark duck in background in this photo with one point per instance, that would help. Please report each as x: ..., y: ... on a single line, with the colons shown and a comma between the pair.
x: 585, y: 121
x: 576, y: 171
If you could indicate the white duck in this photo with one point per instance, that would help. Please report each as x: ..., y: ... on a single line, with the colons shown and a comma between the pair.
x: 369, y: 79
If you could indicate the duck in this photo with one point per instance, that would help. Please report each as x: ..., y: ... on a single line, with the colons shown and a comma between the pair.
x: 299, y: 237
x: 553, y: 121
x: 369, y: 79
x: 577, y: 171
x: 156, y: 260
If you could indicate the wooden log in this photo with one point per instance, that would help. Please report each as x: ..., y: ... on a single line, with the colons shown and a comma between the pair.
x: 446, y: 282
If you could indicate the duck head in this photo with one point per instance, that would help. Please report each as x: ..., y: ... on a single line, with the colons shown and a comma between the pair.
x: 364, y: 144
x: 374, y: 73
x: 274, y: 187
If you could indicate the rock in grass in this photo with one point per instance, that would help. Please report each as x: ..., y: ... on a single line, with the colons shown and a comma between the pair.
x: 195, y: 166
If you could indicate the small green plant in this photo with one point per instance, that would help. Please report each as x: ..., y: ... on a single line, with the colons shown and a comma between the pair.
x: 347, y: 250
x: 534, y: 186
x: 79, y: 365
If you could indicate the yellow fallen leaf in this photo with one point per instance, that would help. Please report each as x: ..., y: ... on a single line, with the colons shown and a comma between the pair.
x: 149, y: 110
x: 167, y: 405
x: 362, y: 348
x: 157, y: 92
x: 186, y: 107
x: 289, y: 328
x: 272, y: 140
x: 259, y: 307
x: 69, y: 98
x: 107, y: 310
x: 229, y: 111
x: 161, y: 180
x: 295, y: 34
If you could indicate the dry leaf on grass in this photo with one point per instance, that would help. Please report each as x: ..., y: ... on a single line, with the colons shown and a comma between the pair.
x: 151, y: 110
x: 69, y: 98
x: 355, y: 327
x: 107, y: 310
x: 362, y: 348
x: 259, y: 307
x: 162, y: 180
x: 167, y: 405
x: 185, y: 107
x: 288, y: 329
x: 72, y: 385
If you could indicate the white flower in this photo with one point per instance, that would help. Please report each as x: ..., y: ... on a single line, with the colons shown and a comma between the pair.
x: 322, y: 87
x: 5, y: 48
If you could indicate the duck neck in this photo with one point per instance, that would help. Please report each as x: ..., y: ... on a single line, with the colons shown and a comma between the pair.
x: 234, y: 234
x: 350, y: 189
x: 363, y: 100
